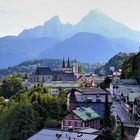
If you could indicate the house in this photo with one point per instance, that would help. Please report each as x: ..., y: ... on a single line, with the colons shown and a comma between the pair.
x: 81, y: 118
x: 54, y: 134
x: 129, y: 101
x: 137, y: 137
x: 136, y: 104
x: 123, y: 85
x: 89, y: 97
x: 136, y: 107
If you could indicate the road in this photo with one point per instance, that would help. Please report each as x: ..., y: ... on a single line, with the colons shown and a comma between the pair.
x: 118, y: 111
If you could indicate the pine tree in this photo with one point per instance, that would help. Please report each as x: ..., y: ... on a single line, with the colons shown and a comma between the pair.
x: 106, y: 121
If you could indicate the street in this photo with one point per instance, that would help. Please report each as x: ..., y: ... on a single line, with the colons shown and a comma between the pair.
x: 118, y: 111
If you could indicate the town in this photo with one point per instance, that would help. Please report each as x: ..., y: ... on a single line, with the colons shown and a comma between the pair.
x: 91, y: 103
x: 69, y: 70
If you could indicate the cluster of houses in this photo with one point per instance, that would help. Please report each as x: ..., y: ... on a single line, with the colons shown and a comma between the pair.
x: 86, y: 103
x: 127, y: 92
x: 86, y: 108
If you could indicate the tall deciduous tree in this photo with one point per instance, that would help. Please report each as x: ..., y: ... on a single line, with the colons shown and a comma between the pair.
x: 23, y: 124
x: 11, y: 85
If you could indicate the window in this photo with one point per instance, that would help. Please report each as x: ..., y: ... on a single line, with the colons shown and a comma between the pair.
x: 69, y: 123
x: 86, y: 123
x: 66, y: 123
x: 70, y: 116
x: 75, y: 123
x: 76, y: 117
x: 97, y: 121
x: 98, y: 100
x: 79, y: 123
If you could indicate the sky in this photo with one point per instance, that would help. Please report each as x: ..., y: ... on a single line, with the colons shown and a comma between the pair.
x: 17, y: 15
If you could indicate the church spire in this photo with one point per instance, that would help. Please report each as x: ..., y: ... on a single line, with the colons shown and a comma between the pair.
x: 68, y: 63
x: 63, y: 63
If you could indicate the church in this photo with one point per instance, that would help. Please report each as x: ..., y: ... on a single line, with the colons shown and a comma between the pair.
x: 45, y: 74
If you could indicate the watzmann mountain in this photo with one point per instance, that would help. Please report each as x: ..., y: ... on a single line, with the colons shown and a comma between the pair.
x: 94, y: 22
x: 94, y: 39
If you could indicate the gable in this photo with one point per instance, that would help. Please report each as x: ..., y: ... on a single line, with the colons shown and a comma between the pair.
x: 72, y: 116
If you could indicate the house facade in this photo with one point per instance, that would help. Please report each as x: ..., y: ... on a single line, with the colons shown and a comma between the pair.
x: 81, y: 118
x: 89, y: 97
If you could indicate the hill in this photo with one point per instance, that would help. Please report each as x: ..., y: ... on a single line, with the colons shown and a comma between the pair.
x: 90, y: 47
x: 29, y: 67
x: 116, y: 61
x: 131, y: 68
x: 15, y: 50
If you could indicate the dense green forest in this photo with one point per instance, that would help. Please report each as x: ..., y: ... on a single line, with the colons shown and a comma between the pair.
x: 131, y: 67
x: 28, y: 111
x: 54, y: 64
x: 115, y: 61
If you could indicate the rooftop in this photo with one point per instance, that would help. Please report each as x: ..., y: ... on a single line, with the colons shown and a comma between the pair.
x: 93, y: 91
x: 43, y: 71
x: 89, y: 130
x: 52, y: 134
x: 124, y: 82
x: 86, y: 113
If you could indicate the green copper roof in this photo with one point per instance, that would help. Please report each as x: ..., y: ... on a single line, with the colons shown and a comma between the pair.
x: 86, y: 113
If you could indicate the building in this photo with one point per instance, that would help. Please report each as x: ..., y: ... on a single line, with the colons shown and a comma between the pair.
x: 136, y: 104
x: 120, y: 86
x: 137, y: 137
x: 53, y: 134
x: 67, y: 68
x: 45, y: 74
x: 81, y: 118
x: 89, y: 97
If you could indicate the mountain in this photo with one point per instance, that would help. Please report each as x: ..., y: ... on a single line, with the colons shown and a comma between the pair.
x: 90, y: 47
x: 29, y: 67
x: 93, y: 22
x: 52, y: 28
x: 95, y: 38
x: 15, y: 50
x: 116, y: 61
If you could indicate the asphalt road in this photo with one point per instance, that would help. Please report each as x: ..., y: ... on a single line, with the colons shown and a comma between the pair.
x: 118, y: 111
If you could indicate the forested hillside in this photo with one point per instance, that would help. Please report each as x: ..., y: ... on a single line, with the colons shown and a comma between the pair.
x: 116, y: 61
x: 131, y: 67
x: 55, y: 64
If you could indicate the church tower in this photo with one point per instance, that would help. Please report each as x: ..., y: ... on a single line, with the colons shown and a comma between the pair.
x: 75, y: 68
x: 66, y: 68
x: 68, y: 63
x: 63, y: 64
x: 72, y: 100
